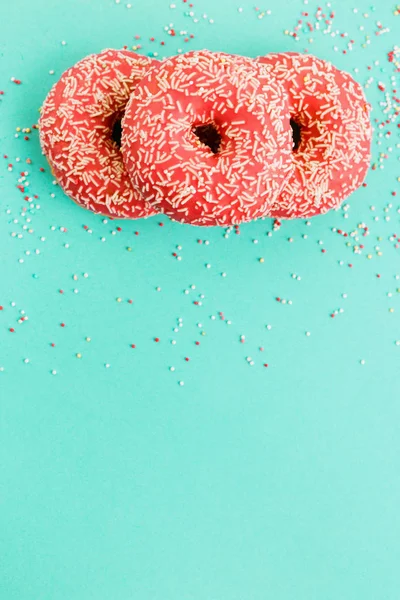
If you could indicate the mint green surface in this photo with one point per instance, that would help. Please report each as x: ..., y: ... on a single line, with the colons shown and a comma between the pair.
x: 247, y: 482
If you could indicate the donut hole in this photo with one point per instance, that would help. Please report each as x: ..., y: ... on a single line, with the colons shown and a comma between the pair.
x: 208, y: 135
x: 116, y: 132
x: 296, y: 134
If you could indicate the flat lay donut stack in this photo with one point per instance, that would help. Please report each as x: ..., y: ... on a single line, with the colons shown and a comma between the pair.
x: 206, y: 137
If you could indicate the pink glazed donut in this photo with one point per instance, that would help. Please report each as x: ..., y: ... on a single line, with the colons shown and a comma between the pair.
x: 331, y: 135
x: 79, y: 128
x: 206, y: 138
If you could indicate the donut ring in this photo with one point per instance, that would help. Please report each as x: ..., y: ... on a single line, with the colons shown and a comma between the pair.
x: 206, y: 138
x: 331, y: 134
x: 76, y: 132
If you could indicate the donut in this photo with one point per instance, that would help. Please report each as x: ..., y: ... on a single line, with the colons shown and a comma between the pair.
x: 329, y: 117
x: 206, y: 138
x: 80, y: 130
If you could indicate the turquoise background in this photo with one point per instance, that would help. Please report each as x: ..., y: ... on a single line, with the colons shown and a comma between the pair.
x: 247, y: 482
